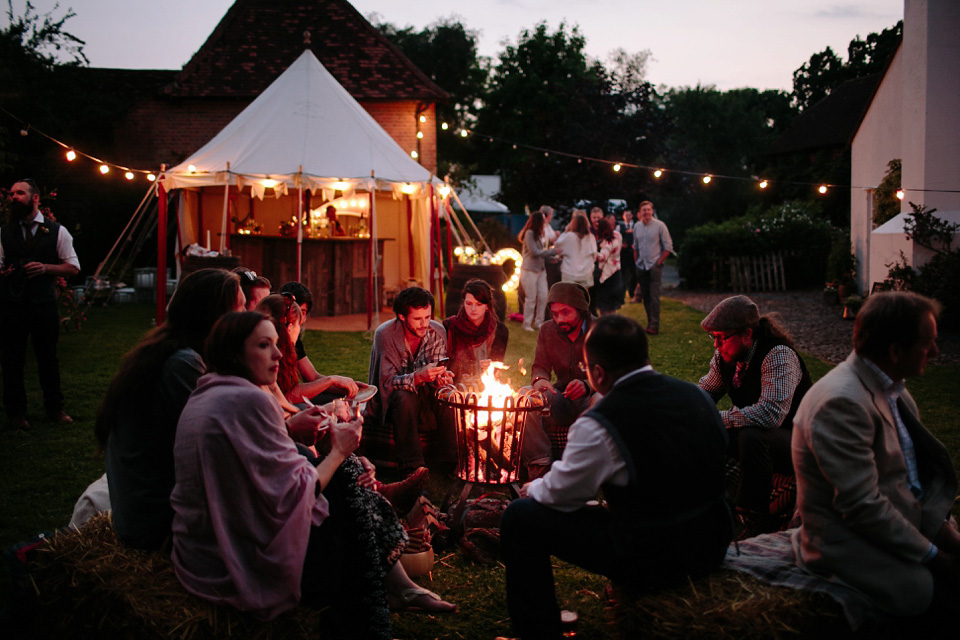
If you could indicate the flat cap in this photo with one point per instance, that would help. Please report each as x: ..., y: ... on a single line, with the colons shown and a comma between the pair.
x: 571, y: 293
x: 732, y: 314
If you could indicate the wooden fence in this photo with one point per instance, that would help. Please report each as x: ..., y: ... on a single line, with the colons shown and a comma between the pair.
x: 750, y: 273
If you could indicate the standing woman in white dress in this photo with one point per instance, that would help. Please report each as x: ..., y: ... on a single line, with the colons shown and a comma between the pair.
x: 579, y: 249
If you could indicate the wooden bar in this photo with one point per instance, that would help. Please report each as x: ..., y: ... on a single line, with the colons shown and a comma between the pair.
x: 334, y: 269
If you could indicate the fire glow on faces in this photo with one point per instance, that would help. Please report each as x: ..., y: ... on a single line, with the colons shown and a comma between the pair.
x: 475, y: 309
x: 261, y: 357
x: 417, y: 320
x: 567, y: 318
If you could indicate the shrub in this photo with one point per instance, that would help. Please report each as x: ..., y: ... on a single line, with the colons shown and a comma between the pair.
x: 794, y: 229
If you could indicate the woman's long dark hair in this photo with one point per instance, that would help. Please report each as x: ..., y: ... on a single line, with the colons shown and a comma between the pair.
x: 224, y: 350
x: 534, y: 223
x: 282, y: 309
x: 200, y: 299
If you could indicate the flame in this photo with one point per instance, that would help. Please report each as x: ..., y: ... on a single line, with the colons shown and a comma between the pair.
x: 494, y: 394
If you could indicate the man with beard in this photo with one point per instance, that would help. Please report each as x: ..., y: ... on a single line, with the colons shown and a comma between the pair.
x: 755, y: 363
x: 560, y: 353
x: 406, y: 367
x: 35, y: 252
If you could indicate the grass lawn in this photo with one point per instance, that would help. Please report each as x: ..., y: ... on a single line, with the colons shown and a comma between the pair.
x: 45, y: 469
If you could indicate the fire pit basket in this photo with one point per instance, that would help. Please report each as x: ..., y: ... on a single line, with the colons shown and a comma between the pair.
x: 489, y: 437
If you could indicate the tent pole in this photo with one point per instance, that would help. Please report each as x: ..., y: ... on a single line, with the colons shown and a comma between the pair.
x: 472, y: 224
x: 161, y: 276
x: 226, y: 209
x: 299, y: 272
x: 436, y: 269
x: 372, y: 264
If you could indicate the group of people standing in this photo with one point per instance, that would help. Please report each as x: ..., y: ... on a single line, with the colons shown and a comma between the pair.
x: 609, y: 258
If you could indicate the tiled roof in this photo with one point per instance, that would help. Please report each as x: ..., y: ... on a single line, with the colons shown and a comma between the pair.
x: 832, y: 122
x: 125, y: 84
x: 257, y: 40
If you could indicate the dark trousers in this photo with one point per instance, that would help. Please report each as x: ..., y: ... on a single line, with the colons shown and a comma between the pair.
x: 761, y: 452
x: 409, y: 413
x: 41, y: 323
x: 649, y: 281
x: 530, y: 534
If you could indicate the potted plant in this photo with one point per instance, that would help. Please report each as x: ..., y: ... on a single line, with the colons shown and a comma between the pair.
x: 851, y: 304
x: 830, y: 295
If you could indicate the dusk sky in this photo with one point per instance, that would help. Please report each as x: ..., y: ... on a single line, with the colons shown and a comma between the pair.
x: 726, y: 43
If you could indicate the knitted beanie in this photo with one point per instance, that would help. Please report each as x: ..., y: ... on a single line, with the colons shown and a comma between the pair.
x: 571, y: 293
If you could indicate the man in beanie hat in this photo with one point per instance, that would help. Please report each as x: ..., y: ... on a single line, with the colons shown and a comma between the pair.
x: 755, y: 363
x: 560, y: 353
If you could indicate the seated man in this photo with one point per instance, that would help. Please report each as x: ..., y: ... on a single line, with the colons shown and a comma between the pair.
x: 560, y: 353
x: 656, y: 447
x: 405, y: 366
x: 318, y: 388
x: 756, y: 365
x: 874, y: 486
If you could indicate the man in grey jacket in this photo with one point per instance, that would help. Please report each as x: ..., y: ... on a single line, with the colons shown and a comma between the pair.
x: 651, y: 247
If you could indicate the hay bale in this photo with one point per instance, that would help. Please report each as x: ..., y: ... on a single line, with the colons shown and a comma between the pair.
x: 728, y: 605
x: 90, y: 585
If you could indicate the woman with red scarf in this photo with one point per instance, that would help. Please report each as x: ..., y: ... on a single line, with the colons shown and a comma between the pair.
x: 474, y: 334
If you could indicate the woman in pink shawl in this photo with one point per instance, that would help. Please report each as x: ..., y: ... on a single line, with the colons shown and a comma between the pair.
x: 256, y: 525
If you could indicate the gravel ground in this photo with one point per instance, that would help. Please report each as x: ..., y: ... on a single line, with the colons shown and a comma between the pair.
x: 817, y: 327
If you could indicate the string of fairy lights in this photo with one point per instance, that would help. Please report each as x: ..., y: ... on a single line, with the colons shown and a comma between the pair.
x: 105, y: 167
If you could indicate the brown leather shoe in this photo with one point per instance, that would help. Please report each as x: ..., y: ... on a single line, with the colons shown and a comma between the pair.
x: 59, y: 417
x: 18, y: 423
x: 402, y: 495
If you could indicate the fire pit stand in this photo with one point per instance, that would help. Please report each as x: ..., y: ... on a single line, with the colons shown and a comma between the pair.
x: 489, y: 440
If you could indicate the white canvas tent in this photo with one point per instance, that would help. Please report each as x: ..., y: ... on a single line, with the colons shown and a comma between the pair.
x: 889, y: 239
x: 305, y: 132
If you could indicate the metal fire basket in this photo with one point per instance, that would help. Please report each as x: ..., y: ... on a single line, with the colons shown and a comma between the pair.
x: 489, y: 437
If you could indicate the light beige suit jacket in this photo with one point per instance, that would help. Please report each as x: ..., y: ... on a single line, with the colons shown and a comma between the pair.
x: 861, y: 523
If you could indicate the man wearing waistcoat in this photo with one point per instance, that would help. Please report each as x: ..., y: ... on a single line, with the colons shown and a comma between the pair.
x: 657, y: 448
x: 34, y: 252
x: 756, y: 365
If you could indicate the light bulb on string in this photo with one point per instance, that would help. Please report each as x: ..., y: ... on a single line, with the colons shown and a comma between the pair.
x: 420, y: 135
x: 71, y: 155
x: 423, y: 118
x: 707, y: 178
x: 658, y: 173
x: 414, y: 154
x: 463, y: 133
x: 444, y: 126
x: 191, y: 168
x: 104, y: 169
x: 899, y: 194
x: 822, y: 189
x: 128, y: 175
x: 763, y: 184
x: 579, y: 160
x: 616, y: 167
x: 151, y: 177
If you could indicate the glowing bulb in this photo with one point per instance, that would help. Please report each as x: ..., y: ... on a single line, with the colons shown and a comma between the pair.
x: 151, y: 177
x: 414, y: 155
x: 128, y: 175
x: 463, y: 133
x: 444, y: 190
x: 822, y: 189
x: 763, y: 184
x: 616, y: 167
x: 191, y: 168
x: 657, y: 173
x: 408, y: 188
x: 71, y: 155
x: 104, y: 169
x: 269, y: 183
x: 340, y: 185
x: 707, y: 179
x: 899, y: 194
x: 423, y: 118
x: 420, y: 135
x: 444, y: 126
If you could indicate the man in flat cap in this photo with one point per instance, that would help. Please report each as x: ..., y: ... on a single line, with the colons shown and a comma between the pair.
x: 560, y: 354
x: 756, y: 364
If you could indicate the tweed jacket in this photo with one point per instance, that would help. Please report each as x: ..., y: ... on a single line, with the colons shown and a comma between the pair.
x: 861, y: 523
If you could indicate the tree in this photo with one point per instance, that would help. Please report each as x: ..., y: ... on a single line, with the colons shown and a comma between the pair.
x: 446, y: 51
x: 886, y: 204
x: 546, y: 95
x: 825, y: 70
x: 32, y: 47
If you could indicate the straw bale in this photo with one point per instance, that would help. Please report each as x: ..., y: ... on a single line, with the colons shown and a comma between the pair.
x: 90, y: 585
x: 726, y: 605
